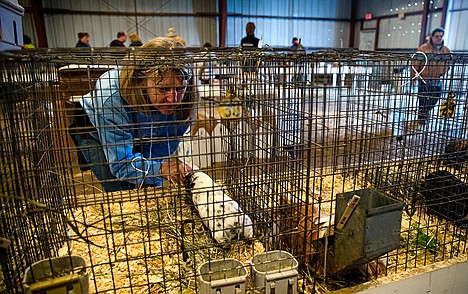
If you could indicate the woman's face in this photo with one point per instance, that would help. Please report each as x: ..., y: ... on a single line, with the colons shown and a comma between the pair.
x: 168, y: 93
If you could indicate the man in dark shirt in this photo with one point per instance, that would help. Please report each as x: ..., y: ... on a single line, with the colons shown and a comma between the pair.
x: 120, y: 41
x: 250, y: 40
x: 83, y: 40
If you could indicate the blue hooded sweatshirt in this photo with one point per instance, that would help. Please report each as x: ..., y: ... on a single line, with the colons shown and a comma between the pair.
x: 134, y: 143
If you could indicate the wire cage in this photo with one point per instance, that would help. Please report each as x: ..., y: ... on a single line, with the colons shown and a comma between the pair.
x: 275, y: 139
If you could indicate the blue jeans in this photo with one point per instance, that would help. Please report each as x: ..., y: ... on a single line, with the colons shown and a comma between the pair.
x: 428, y: 96
x: 94, y: 155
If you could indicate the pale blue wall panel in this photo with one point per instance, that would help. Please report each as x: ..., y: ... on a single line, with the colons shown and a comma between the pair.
x: 296, y: 8
x: 314, y: 33
x: 457, y: 22
x: 329, y: 9
x: 294, y: 22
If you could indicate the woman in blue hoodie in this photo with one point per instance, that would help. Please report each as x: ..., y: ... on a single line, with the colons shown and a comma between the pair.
x: 137, y: 115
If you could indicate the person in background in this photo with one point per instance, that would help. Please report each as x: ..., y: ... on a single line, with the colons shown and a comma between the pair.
x: 250, y: 40
x: 427, y: 38
x: 295, y: 44
x: 120, y: 41
x: 135, y: 40
x: 136, y: 116
x: 27, y: 42
x: 249, y: 64
x: 429, y: 81
x: 83, y: 40
x: 171, y: 33
x: 297, y: 48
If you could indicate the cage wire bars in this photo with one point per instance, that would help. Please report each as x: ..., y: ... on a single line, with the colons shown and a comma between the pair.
x: 281, y: 134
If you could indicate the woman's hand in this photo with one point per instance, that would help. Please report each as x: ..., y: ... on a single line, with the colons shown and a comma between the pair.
x: 175, y: 170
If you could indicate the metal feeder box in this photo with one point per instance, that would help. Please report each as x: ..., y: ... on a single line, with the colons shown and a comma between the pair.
x: 60, y: 275
x: 275, y: 271
x: 226, y: 276
x: 367, y: 225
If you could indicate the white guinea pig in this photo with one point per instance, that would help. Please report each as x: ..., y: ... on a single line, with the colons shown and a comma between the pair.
x: 222, y: 215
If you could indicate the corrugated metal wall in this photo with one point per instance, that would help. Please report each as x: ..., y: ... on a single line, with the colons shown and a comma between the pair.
x: 320, y: 23
x: 279, y: 20
x: 397, y: 33
x: 457, y: 23
x: 199, y: 25
x: 287, y: 19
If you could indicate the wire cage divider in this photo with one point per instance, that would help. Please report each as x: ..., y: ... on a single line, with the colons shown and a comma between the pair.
x: 274, y: 138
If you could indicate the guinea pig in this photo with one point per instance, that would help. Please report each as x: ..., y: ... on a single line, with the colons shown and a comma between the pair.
x: 221, y: 214
x: 446, y: 196
x: 455, y: 154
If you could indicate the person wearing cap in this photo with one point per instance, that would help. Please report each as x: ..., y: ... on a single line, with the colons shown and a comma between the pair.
x: 83, y: 40
x: 429, y: 75
x: 136, y: 116
x: 171, y: 33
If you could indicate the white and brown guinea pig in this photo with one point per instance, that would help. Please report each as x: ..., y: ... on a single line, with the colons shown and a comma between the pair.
x: 222, y: 215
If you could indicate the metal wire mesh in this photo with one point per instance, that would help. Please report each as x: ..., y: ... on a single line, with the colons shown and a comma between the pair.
x: 281, y: 134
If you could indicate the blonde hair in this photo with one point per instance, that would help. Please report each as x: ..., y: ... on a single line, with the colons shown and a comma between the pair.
x: 133, y: 77
x: 134, y: 37
x: 250, y: 28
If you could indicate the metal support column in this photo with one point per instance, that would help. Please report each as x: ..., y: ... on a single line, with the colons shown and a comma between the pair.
x: 39, y: 23
x: 222, y: 22
x: 422, y: 36
x: 352, y: 25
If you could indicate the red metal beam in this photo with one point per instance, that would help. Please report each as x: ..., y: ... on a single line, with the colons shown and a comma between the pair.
x: 352, y: 25
x: 444, y: 14
x: 39, y: 23
x: 422, y: 35
x: 377, y: 31
x: 222, y: 22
